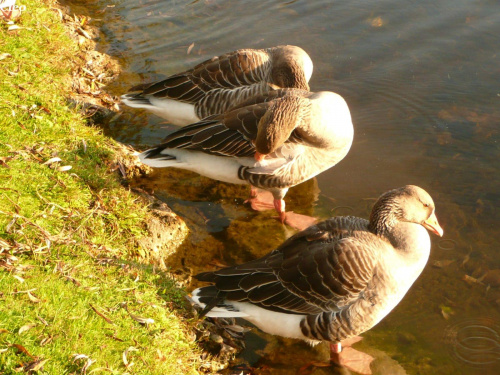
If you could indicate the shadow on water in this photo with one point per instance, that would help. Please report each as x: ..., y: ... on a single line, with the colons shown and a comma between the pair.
x: 421, y: 80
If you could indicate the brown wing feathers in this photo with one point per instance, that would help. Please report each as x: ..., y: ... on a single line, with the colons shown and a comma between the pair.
x: 302, y: 276
x: 212, y: 137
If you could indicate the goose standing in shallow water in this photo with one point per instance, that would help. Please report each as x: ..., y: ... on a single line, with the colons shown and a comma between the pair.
x: 222, y: 82
x: 334, y: 280
x: 272, y: 141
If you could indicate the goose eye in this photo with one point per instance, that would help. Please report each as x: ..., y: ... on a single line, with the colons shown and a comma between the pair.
x: 426, y: 204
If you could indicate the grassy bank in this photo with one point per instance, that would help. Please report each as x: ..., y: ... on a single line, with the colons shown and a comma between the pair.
x: 74, y: 294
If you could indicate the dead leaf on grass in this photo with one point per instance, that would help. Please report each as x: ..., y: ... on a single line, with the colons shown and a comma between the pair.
x: 142, y: 320
x: 124, y: 357
x: 46, y: 340
x: 137, y: 318
x: 35, y: 366
x: 22, y: 349
x: 101, y: 314
x: 83, y: 33
x: 53, y: 160
x: 18, y: 278
x: 73, y: 280
x: 87, y: 364
x: 33, y: 298
x: 10, y: 225
x: 26, y: 327
x: 4, y: 160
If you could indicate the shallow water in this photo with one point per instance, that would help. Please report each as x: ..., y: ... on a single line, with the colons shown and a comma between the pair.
x: 422, y: 80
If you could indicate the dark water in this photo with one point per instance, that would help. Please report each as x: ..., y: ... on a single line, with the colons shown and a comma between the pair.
x: 422, y: 80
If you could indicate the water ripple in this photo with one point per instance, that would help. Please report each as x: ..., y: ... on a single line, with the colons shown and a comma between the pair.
x: 475, y: 342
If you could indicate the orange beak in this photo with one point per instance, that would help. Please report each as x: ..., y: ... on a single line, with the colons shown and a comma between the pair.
x: 258, y: 156
x: 432, y: 224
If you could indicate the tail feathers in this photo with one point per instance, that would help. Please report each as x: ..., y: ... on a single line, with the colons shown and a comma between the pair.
x: 136, y: 100
x: 213, y: 305
x: 155, y: 158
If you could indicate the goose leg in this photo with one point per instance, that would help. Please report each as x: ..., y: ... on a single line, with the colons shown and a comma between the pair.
x: 350, y: 358
x: 279, y: 206
x: 262, y: 200
x: 335, y: 350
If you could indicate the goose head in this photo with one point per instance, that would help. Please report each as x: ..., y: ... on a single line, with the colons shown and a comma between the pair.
x: 410, y: 204
x: 281, y: 118
x: 292, y: 68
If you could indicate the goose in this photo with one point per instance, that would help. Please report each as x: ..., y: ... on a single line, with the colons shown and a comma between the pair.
x: 272, y: 141
x: 334, y: 280
x: 213, y: 86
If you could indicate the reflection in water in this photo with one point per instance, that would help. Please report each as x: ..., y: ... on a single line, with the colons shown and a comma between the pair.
x: 421, y: 79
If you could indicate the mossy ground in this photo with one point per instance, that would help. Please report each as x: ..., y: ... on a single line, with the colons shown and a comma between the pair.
x: 74, y: 295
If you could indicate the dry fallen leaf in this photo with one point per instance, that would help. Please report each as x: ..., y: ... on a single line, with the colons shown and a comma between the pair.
x: 73, y: 280
x: 35, y: 366
x: 33, y: 298
x: 26, y: 327
x: 101, y: 314
x: 84, y: 33
x: 87, y: 364
x: 22, y: 349
x: 142, y: 320
x: 9, y: 226
x: 19, y: 278
x: 442, y: 263
x: 472, y: 280
x: 137, y: 318
x: 53, y: 160
x: 124, y: 357
x: 64, y: 168
x: 46, y: 340
x: 446, y: 311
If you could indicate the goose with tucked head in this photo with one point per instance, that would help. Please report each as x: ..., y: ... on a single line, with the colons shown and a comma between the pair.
x: 214, y: 85
x: 271, y: 141
x: 334, y: 280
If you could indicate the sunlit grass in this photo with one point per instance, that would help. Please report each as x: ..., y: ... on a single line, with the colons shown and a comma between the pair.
x: 57, y: 320
x: 70, y: 236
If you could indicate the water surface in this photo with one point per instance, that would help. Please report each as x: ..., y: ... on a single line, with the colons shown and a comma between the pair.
x: 422, y: 80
